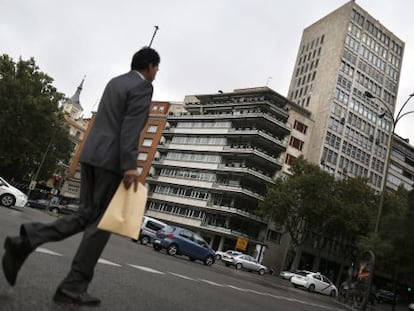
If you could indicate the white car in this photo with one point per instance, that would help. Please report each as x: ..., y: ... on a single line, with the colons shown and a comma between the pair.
x: 315, y: 282
x: 221, y: 254
x: 11, y: 196
x: 287, y: 275
x: 245, y: 262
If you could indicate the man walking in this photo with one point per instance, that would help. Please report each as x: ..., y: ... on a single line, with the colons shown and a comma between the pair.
x: 109, y: 157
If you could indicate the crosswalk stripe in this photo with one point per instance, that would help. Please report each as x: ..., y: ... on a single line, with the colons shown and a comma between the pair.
x: 146, y: 269
x: 107, y: 262
x: 47, y: 251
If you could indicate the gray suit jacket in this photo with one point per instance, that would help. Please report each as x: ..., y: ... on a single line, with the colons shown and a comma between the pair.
x: 112, y: 143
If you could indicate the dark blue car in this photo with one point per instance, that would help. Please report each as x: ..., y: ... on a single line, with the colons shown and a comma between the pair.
x: 180, y: 241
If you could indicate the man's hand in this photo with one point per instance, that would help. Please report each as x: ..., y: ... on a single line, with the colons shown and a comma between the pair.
x: 131, y: 178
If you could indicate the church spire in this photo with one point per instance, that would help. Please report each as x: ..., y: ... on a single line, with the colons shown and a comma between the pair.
x: 74, y: 100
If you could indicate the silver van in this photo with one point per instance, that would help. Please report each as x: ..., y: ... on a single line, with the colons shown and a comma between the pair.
x: 149, y: 228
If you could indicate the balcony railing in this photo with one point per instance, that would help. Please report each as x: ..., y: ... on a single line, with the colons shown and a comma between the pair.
x: 231, y: 115
x: 239, y: 167
x: 239, y: 190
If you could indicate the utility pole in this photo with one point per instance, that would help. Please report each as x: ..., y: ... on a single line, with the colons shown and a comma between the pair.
x: 155, y: 31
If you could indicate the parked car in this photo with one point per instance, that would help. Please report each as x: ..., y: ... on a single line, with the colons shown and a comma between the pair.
x: 39, y: 203
x: 287, y: 275
x: 315, y: 282
x: 64, y: 209
x: 382, y: 296
x: 221, y: 254
x: 180, y: 241
x: 149, y: 228
x: 11, y: 196
x: 246, y: 262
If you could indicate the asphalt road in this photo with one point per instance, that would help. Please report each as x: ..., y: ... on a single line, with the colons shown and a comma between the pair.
x: 131, y: 276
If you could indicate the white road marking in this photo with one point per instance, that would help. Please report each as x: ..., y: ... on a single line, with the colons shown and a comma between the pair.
x: 303, y: 302
x: 107, y: 262
x: 237, y: 288
x: 211, y: 283
x: 146, y: 269
x: 182, y: 276
x: 47, y: 251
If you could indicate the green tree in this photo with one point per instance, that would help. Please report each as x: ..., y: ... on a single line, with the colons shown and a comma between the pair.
x: 393, y: 245
x: 314, y: 207
x: 302, y: 204
x: 31, y: 121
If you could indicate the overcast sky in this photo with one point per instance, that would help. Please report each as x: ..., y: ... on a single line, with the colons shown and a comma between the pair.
x: 205, y: 46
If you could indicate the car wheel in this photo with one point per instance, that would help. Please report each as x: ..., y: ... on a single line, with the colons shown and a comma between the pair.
x: 227, y: 264
x: 209, y: 260
x: 239, y: 266
x: 192, y: 258
x: 157, y: 247
x: 332, y: 293
x: 261, y: 271
x: 218, y: 257
x: 295, y: 286
x: 311, y: 288
x: 145, y: 240
x: 133, y: 240
x: 7, y: 200
x: 172, y: 249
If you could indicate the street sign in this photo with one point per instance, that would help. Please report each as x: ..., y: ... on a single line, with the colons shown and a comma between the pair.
x: 32, y: 185
x: 241, y: 243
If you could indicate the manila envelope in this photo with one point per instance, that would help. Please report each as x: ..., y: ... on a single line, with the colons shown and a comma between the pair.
x: 125, y: 211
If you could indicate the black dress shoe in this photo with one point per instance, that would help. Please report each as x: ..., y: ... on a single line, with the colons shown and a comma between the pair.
x: 65, y: 296
x: 17, y: 250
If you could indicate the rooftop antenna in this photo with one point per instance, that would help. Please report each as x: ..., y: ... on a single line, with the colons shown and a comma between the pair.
x: 155, y: 31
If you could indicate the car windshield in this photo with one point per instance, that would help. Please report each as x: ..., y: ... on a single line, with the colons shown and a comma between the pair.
x: 302, y: 273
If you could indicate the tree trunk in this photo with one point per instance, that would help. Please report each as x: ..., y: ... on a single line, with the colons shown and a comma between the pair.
x: 338, y: 280
x: 316, y: 262
x: 296, y: 261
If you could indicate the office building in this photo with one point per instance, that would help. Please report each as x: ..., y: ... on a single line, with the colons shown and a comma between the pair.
x: 340, y: 57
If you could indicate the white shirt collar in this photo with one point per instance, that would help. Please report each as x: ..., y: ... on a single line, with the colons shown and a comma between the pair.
x: 140, y: 74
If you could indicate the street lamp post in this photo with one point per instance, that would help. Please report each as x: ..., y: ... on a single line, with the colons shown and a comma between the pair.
x: 387, y: 158
x: 41, y: 165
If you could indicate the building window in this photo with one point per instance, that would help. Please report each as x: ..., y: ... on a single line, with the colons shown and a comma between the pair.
x: 290, y: 159
x: 154, y: 108
x: 299, y: 126
x: 147, y: 142
x: 161, y: 108
x: 152, y: 128
x: 142, y: 156
x: 274, y: 236
x: 139, y: 170
x: 296, y: 143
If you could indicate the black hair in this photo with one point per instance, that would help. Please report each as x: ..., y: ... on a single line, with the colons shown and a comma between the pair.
x: 144, y: 57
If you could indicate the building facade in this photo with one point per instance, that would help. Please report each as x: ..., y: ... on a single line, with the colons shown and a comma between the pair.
x: 150, y: 137
x: 401, y: 169
x: 340, y: 57
x: 214, y: 166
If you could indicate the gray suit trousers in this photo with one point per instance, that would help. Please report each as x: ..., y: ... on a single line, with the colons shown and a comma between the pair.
x: 97, y: 188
